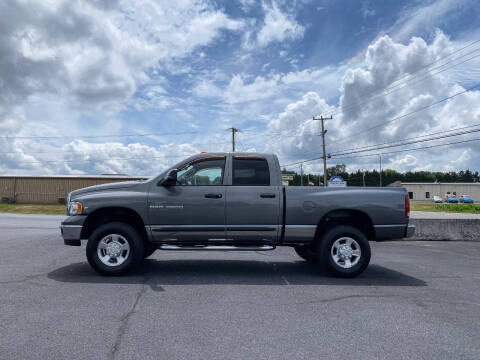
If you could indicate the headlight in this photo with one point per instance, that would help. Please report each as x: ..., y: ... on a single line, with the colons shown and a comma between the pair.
x: 75, y: 208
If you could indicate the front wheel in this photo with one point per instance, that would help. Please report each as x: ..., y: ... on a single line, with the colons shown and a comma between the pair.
x: 114, y: 249
x: 344, y: 250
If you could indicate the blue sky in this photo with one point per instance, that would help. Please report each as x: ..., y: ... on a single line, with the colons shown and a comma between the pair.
x: 81, y: 72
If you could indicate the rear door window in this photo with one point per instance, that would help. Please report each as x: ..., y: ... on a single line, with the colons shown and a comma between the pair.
x: 252, y: 171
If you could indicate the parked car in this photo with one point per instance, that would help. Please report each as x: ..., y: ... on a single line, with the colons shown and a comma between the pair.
x: 451, y: 198
x: 466, y: 199
x: 233, y: 201
x: 437, y: 199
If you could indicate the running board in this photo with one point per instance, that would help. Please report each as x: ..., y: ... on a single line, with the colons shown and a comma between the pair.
x: 217, y: 247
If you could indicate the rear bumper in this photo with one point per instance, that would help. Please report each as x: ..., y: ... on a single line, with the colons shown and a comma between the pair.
x: 393, y: 232
x: 410, y: 230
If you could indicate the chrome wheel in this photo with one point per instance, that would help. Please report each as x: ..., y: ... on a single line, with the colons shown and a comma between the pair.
x: 113, y: 250
x: 346, y: 252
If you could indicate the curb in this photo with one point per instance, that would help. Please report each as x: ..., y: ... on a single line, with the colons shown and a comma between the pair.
x: 446, y: 229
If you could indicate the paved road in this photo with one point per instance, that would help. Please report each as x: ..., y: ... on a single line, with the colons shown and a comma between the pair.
x: 416, y: 301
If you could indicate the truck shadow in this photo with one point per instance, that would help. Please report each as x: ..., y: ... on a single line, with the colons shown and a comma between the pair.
x: 157, y: 273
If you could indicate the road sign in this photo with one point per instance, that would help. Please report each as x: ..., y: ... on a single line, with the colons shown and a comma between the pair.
x: 337, y: 181
x: 287, y: 177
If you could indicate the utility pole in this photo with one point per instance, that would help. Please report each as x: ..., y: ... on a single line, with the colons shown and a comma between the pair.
x: 380, y: 170
x: 363, y: 176
x: 324, y: 157
x: 301, y: 174
x: 234, y: 131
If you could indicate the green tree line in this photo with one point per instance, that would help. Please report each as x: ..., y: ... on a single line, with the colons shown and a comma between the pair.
x: 372, y: 178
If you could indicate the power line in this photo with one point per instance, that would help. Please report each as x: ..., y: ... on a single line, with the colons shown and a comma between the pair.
x: 105, y: 159
x: 66, y: 152
x: 100, y: 136
x: 390, y: 87
x: 409, y: 113
x: 386, y: 146
x: 405, y: 139
x: 385, y: 91
x: 407, y: 150
x: 384, y: 153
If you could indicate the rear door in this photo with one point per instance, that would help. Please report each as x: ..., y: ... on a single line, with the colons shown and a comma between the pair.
x: 253, y: 201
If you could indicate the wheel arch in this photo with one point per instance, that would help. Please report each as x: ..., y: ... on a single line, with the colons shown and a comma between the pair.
x: 351, y: 217
x: 110, y: 214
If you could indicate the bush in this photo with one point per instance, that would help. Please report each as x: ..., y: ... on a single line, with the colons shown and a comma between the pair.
x: 470, y: 208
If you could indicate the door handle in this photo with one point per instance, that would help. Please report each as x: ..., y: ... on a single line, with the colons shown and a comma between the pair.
x: 267, y: 195
x: 213, y: 196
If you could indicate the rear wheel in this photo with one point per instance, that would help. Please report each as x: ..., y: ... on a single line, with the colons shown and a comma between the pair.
x: 344, y: 251
x: 306, y: 252
x: 114, y: 249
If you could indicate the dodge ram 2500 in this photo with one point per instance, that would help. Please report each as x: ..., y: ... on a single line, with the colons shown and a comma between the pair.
x: 232, y: 201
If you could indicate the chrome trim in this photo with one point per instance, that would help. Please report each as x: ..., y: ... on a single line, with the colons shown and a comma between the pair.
x: 71, y: 232
x: 216, y: 247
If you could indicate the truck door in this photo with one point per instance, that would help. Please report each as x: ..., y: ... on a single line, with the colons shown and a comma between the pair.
x: 253, y: 203
x: 194, y: 208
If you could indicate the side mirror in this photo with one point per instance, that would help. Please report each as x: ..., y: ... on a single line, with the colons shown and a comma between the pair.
x: 170, y: 178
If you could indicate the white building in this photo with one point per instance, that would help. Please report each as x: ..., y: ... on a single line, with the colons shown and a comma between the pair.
x: 426, y: 191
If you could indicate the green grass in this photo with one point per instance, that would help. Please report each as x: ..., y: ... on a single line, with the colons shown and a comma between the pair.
x: 33, y: 209
x: 458, y: 208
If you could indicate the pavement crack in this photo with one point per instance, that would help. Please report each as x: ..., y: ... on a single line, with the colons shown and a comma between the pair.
x: 124, y: 322
x: 25, y: 279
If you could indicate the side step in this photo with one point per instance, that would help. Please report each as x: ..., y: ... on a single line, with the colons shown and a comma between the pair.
x: 217, y: 247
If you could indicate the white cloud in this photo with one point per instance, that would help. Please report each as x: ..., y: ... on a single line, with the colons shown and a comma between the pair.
x: 278, y: 26
x: 94, y: 54
x: 424, y: 17
x: 385, y: 62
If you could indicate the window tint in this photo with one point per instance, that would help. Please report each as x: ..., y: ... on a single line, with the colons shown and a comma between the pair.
x: 250, y: 171
x: 202, y: 172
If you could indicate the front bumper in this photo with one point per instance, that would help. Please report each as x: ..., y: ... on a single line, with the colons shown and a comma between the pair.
x: 410, y: 230
x: 71, y: 230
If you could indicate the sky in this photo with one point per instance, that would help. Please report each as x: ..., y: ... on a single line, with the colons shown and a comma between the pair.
x: 133, y: 87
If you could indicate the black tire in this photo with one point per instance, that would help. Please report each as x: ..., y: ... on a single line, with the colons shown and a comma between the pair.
x: 136, y: 251
x: 306, y: 253
x: 148, y: 250
x: 324, y: 249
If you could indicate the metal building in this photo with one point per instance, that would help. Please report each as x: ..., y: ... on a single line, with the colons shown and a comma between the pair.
x: 50, y: 189
x: 426, y: 191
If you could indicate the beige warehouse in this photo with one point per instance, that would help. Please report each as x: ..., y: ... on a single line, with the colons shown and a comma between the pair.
x: 426, y: 191
x: 50, y: 189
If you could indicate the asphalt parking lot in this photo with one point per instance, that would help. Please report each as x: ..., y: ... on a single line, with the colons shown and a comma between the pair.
x: 417, y: 300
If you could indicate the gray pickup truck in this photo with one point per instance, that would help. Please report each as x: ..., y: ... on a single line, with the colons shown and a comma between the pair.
x: 232, y: 201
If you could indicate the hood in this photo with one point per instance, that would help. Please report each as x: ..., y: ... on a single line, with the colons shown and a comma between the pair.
x: 104, y: 187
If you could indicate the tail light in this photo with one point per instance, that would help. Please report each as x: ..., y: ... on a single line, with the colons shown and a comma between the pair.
x: 407, y: 206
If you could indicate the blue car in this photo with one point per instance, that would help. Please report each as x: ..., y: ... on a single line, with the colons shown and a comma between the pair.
x: 466, y: 199
x: 451, y: 199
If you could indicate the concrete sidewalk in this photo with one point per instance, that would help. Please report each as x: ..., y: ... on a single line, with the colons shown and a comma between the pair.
x: 442, y: 215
